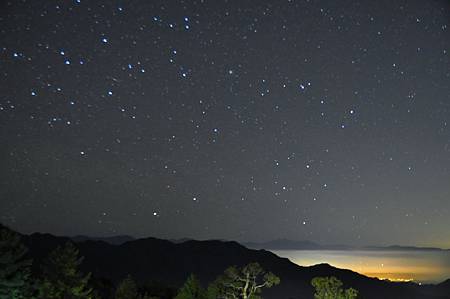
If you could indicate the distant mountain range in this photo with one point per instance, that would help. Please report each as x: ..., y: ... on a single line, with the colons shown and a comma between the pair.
x: 170, y: 263
x: 113, y: 240
x: 278, y: 244
x: 285, y: 244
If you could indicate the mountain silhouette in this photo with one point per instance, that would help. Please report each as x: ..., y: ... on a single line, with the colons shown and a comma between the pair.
x: 152, y: 259
x: 286, y: 244
x: 114, y: 240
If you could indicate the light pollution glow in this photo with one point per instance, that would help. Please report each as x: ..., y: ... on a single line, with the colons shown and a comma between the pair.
x: 417, y: 266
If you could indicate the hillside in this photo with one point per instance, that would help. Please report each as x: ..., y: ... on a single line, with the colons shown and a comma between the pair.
x: 153, y: 259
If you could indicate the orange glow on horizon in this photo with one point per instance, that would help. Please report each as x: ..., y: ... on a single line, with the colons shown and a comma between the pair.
x: 420, y: 267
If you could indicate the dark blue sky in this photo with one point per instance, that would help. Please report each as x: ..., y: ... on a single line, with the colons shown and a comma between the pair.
x: 246, y: 120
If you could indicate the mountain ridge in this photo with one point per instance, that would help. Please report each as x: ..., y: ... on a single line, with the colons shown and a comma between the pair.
x: 287, y: 244
x: 152, y: 259
x: 281, y: 244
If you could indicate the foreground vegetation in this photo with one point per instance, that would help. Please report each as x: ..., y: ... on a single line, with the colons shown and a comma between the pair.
x: 59, y: 277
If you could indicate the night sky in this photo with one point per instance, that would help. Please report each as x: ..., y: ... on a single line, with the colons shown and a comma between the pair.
x: 254, y: 120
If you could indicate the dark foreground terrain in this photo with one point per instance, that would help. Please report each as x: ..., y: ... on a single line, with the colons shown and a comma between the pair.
x: 169, y: 263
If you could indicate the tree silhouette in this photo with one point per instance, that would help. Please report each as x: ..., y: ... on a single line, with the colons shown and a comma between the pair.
x: 191, y: 289
x: 127, y: 289
x: 242, y: 283
x: 14, y: 267
x: 62, y: 277
x: 331, y: 288
x: 157, y: 289
x: 214, y: 289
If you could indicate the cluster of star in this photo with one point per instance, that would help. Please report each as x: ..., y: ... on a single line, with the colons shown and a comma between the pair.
x: 302, y: 112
